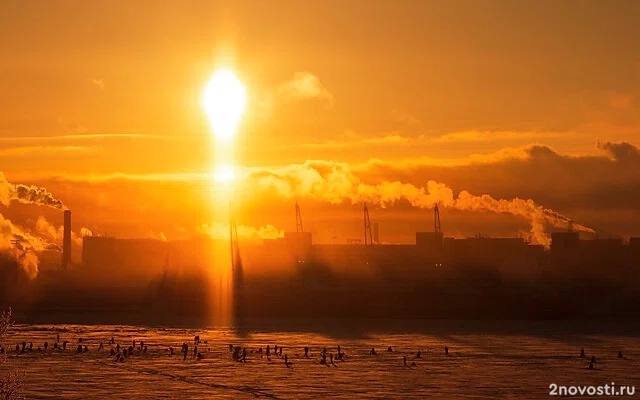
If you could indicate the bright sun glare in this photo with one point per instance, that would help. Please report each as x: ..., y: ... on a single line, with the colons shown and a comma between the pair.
x: 224, y: 173
x: 224, y: 101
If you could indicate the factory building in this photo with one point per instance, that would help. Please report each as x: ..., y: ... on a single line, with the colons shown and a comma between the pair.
x: 296, y: 253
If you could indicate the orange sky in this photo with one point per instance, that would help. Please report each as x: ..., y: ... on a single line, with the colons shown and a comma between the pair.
x: 452, y: 91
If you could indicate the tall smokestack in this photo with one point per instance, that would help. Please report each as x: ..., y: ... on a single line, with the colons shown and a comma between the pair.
x: 66, y: 241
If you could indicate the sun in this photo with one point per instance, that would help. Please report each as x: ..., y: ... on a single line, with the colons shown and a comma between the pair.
x: 224, y: 173
x: 224, y: 101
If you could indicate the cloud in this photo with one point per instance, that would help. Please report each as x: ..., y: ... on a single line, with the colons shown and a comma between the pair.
x: 622, y: 152
x: 605, y: 180
x: 43, y: 150
x: 493, y: 136
x: 98, y: 82
x: 427, y: 142
x: 267, y: 103
x: 341, y: 144
x: 405, y: 117
x: 614, y: 113
x: 621, y: 101
x: 221, y: 231
x: 475, y: 159
x: 304, y: 86
x: 90, y: 136
x: 196, y: 176
x: 590, y: 189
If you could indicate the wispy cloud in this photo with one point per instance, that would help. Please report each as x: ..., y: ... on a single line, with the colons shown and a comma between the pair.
x: 396, y: 139
x: 119, y: 176
x: 507, y: 153
x: 89, y: 136
x: 621, y: 101
x: 490, y: 136
x: 42, y: 150
x: 98, y: 82
x: 348, y: 141
x: 305, y: 86
x: 341, y: 144
x: 250, y: 233
x: 405, y: 117
x: 266, y: 103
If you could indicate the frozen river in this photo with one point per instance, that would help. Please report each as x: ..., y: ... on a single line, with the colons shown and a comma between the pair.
x: 479, y: 365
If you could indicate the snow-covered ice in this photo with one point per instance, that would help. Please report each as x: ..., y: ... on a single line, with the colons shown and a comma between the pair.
x: 479, y: 365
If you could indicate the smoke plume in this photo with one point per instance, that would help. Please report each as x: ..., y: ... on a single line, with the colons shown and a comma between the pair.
x: 55, y: 234
x: 335, y: 183
x: 26, y: 194
x: 21, y: 246
x: 15, y: 241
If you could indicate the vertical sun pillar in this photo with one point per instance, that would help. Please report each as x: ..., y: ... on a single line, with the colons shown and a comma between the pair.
x: 224, y: 101
x: 66, y: 240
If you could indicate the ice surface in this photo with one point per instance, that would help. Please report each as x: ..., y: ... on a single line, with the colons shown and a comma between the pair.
x: 478, y: 366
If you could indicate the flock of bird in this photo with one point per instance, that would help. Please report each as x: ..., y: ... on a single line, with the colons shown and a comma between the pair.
x: 238, y: 353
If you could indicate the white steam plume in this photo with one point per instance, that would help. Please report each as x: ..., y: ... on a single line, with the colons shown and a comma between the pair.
x: 56, y: 234
x: 26, y: 194
x: 335, y: 183
x: 21, y: 246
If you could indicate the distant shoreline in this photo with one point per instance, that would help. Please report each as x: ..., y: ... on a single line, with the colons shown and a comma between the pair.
x: 619, y: 325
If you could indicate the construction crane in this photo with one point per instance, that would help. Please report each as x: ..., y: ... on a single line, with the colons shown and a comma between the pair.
x: 437, y: 229
x: 298, y: 219
x: 368, y: 236
x: 299, y: 232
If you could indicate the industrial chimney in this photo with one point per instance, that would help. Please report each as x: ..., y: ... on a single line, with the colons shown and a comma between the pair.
x: 66, y: 240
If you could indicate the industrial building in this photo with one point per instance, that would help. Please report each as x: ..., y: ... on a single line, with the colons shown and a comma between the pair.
x: 436, y: 276
x: 296, y: 252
